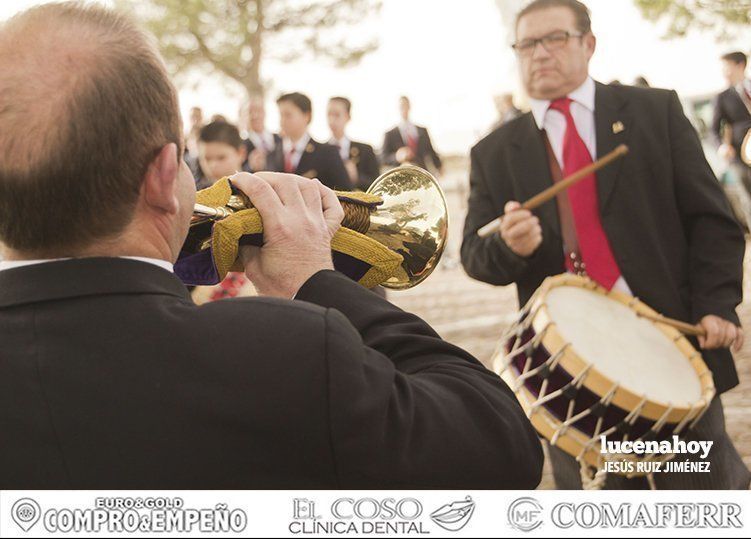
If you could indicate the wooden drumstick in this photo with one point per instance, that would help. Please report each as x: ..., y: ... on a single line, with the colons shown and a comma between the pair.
x: 683, y: 327
x: 493, y: 226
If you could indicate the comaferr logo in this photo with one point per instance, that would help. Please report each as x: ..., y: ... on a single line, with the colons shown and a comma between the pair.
x: 454, y: 516
x: 590, y: 515
x: 525, y: 514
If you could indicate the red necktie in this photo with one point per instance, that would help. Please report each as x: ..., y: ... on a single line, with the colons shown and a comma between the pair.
x: 595, y: 249
x: 289, y: 167
x: 412, y: 143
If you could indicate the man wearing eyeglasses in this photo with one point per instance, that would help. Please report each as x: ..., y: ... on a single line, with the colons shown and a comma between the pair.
x: 655, y: 224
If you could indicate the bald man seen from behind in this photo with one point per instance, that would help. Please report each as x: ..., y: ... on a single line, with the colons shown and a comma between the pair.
x: 110, y: 377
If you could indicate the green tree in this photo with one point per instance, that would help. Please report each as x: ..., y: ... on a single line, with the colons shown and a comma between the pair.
x: 234, y: 37
x: 726, y: 17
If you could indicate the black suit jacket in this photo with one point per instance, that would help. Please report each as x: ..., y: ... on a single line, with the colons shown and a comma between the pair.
x: 729, y: 109
x: 110, y: 377
x: 670, y: 226
x: 364, y: 158
x: 271, y: 156
x: 392, y: 141
x: 319, y: 160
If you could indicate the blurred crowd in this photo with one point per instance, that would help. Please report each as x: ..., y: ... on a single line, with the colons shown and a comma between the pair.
x: 220, y: 148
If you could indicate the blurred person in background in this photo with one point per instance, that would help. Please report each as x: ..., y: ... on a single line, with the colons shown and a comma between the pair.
x: 222, y: 153
x: 409, y: 143
x: 259, y: 141
x: 359, y: 158
x: 299, y: 153
x: 507, y: 111
x: 732, y: 110
x: 191, y: 137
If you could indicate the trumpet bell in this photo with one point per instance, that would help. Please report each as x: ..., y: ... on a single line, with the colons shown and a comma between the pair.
x: 746, y: 149
x: 412, y: 221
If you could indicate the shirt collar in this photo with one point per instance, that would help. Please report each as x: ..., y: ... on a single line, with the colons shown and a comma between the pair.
x: 299, y: 147
x: 264, y: 136
x: 10, y: 264
x: 341, y: 141
x: 584, y: 95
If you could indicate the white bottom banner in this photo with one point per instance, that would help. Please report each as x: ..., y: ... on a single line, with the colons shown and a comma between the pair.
x: 373, y: 513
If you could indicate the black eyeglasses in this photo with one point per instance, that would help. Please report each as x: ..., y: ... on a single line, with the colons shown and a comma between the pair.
x: 551, y: 42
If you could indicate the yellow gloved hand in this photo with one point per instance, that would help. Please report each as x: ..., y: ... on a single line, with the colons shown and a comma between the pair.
x: 361, y: 258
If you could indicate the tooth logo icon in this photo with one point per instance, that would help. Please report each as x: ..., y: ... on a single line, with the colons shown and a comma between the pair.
x: 454, y: 516
x: 25, y: 513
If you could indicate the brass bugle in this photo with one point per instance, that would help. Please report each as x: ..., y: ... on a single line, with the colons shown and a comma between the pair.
x: 412, y: 221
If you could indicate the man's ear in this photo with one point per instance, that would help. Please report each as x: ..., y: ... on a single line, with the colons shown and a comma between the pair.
x: 591, y: 43
x: 160, y: 182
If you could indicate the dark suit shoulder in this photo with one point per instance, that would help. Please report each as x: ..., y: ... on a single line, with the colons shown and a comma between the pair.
x: 230, y: 310
x: 637, y: 93
x: 321, y: 147
x: 727, y: 93
x: 362, y: 146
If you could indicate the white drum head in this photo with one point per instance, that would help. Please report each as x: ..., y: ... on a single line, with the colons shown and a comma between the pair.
x: 627, y: 349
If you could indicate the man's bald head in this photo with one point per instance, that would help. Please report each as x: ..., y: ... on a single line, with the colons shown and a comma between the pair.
x: 85, y: 105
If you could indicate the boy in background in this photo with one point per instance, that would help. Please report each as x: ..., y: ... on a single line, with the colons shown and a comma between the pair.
x: 221, y: 152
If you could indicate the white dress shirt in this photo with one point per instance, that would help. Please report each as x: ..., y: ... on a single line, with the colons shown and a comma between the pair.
x: 407, y: 129
x: 299, y: 148
x: 263, y: 141
x: 10, y: 264
x: 554, y: 124
x: 344, y: 145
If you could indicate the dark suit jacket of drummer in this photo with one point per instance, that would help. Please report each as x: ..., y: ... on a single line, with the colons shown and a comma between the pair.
x: 319, y: 160
x: 112, y: 378
x: 667, y: 219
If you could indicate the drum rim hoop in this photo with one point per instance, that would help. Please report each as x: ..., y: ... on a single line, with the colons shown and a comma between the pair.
x: 598, y: 382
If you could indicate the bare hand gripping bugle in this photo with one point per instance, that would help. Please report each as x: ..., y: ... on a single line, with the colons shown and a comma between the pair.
x: 493, y: 226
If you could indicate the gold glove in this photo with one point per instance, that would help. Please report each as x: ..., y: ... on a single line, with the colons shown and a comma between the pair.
x: 361, y: 258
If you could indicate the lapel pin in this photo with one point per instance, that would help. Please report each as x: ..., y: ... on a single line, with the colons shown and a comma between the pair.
x: 618, y: 127
x: 309, y: 148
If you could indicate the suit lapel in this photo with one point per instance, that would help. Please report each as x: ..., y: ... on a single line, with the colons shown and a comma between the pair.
x: 307, y: 161
x: 612, y: 127
x: 529, y: 164
x: 354, y: 152
x: 396, y: 133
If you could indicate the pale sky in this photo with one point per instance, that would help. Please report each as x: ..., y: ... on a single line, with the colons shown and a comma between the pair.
x: 451, y: 57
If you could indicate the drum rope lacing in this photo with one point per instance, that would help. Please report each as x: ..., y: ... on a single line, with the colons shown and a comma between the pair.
x: 592, y: 477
